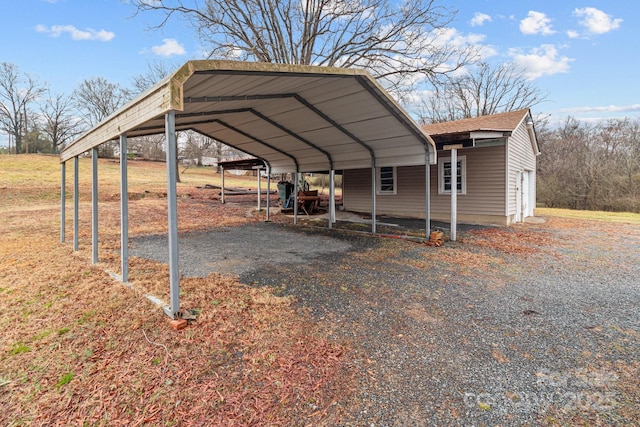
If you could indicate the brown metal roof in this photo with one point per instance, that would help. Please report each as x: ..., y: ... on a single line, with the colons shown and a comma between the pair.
x: 505, y: 122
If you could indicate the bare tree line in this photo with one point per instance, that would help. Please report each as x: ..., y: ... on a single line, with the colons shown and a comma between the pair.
x: 404, y: 44
x: 39, y: 121
x: 590, y: 166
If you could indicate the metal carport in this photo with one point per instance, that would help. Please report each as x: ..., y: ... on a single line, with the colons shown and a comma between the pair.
x: 295, y: 118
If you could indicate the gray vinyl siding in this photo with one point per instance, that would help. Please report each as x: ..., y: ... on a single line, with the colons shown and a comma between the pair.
x: 521, y: 158
x: 485, y: 188
x: 409, y: 199
x: 485, y: 184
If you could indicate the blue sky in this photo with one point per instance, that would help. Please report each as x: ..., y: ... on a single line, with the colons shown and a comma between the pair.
x: 583, y: 54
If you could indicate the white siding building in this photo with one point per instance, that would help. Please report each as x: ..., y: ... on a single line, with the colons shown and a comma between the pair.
x: 496, y: 174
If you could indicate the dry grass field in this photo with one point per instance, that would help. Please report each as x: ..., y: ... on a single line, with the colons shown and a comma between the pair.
x: 79, y: 348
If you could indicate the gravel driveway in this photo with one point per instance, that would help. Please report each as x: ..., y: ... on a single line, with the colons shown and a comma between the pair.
x: 544, y: 331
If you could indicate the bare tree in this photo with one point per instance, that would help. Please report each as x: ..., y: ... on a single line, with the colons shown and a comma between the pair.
x: 17, y: 92
x: 486, y: 90
x: 197, y: 146
x: 156, y: 71
x: 149, y: 147
x: 395, y: 40
x: 590, y: 166
x: 97, y: 98
x: 60, y: 123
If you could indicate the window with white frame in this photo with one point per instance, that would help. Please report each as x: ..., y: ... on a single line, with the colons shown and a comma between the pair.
x: 386, y: 180
x: 446, y: 175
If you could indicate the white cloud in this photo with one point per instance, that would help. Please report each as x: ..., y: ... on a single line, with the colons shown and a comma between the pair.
x: 603, y: 109
x: 573, y: 34
x: 168, y: 47
x: 536, y: 23
x: 451, y: 36
x: 596, y: 21
x: 479, y: 19
x: 541, y: 61
x: 76, y: 34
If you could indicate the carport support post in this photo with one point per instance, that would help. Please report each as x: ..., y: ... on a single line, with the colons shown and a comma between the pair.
x: 454, y: 193
x: 373, y: 199
x: 76, y: 167
x: 63, y: 194
x: 124, y: 210
x: 94, y: 205
x: 259, y: 193
x: 332, y: 197
x: 222, y: 193
x: 295, y: 198
x: 268, y: 192
x: 427, y: 195
x: 172, y: 202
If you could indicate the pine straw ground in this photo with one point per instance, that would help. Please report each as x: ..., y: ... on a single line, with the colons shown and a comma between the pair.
x: 79, y: 348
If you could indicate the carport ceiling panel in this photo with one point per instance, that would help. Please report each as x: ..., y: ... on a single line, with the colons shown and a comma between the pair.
x: 331, y: 88
x: 313, y: 166
x: 235, y: 139
x: 329, y: 138
x: 299, y: 120
x: 259, y: 147
x: 400, y: 144
x: 301, y: 152
x: 411, y: 151
x: 379, y: 128
x: 355, y: 163
x: 220, y: 84
x: 248, y: 84
x: 354, y: 108
x: 255, y: 126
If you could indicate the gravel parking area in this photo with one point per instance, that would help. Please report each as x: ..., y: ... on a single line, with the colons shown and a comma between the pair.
x: 237, y: 250
x: 537, y: 324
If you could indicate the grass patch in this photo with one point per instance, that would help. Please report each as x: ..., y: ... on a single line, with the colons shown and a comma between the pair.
x: 64, y: 379
x: 42, y: 335
x: 19, y: 348
x: 623, y: 217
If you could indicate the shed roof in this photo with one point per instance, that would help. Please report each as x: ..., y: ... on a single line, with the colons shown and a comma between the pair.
x: 294, y: 117
x: 505, y: 122
x: 242, y: 164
